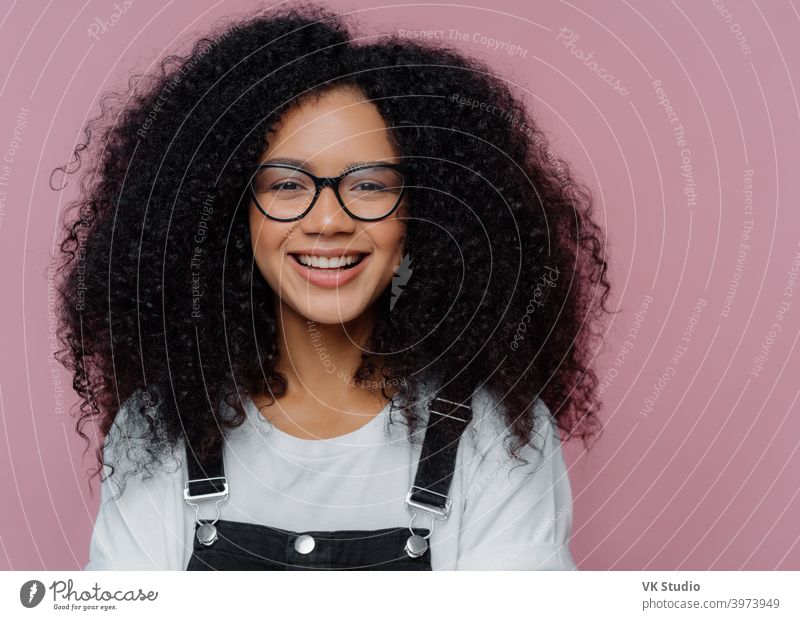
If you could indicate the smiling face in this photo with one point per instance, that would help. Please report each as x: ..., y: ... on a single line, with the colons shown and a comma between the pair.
x: 351, y: 261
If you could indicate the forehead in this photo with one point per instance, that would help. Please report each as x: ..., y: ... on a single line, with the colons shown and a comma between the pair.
x: 339, y: 123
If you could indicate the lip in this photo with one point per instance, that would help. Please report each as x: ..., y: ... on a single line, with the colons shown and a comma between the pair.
x: 328, y: 278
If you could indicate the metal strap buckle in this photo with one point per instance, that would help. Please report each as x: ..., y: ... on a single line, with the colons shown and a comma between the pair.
x: 206, y: 533
x: 439, y: 513
x: 188, y: 496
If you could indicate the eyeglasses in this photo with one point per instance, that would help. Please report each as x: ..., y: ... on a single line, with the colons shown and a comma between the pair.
x: 287, y: 193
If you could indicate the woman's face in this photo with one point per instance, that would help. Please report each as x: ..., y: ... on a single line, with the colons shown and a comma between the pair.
x: 325, y: 136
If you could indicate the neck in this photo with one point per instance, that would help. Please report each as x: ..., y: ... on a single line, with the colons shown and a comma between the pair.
x: 320, y: 360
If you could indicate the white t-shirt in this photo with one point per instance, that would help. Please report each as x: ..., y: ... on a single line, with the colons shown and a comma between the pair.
x: 504, y: 516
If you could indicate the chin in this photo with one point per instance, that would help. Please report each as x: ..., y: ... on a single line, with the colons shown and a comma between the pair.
x: 332, y: 312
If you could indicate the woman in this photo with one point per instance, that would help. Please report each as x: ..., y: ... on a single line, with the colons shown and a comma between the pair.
x: 316, y: 295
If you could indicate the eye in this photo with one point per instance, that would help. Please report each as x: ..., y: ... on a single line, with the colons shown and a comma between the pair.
x: 368, y: 186
x: 282, y: 181
x: 373, y: 183
x: 291, y: 186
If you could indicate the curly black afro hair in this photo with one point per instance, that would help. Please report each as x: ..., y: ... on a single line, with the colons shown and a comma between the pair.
x: 514, y: 285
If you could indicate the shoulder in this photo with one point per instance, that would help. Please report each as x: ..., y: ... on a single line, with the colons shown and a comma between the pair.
x: 139, y: 524
x: 516, y: 513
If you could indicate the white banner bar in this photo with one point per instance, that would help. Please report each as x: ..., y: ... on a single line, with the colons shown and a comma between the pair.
x: 401, y: 595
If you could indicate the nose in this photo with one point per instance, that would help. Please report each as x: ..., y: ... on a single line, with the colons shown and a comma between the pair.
x: 327, y: 216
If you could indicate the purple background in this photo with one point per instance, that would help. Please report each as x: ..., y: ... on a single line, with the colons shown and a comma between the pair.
x: 706, y: 480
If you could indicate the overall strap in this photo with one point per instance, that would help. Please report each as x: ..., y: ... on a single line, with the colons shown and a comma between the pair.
x: 206, y: 480
x: 450, y: 413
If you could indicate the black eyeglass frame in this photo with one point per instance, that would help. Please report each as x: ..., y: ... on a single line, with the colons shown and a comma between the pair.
x: 321, y: 183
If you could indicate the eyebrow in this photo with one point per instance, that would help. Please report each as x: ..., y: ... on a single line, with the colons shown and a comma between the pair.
x: 290, y: 161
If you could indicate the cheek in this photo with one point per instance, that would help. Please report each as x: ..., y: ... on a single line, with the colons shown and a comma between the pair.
x: 266, y: 238
x: 389, y: 242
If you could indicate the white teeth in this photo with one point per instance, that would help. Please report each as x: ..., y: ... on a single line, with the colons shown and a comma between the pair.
x: 322, y: 262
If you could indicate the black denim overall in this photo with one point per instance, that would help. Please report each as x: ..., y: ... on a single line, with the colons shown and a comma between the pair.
x: 247, y: 546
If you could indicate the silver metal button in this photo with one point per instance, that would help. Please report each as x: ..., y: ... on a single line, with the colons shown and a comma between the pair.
x: 416, y: 546
x: 304, y: 544
x: 207, y: 534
